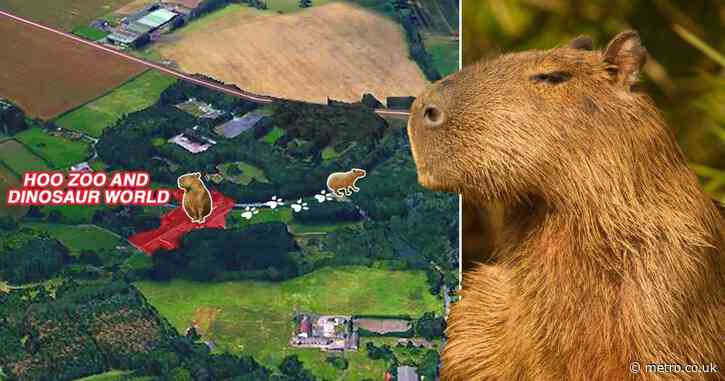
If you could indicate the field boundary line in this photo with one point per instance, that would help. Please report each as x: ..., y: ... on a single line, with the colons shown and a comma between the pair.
x: 108, y: 92
x: 31, y: 151
x: 262, y: 99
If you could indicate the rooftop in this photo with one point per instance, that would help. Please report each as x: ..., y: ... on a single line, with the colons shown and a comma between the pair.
x: 191, y: 4
x: 157, y: 18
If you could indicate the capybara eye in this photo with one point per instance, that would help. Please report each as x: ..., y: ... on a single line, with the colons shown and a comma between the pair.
x: 555, y: 77
x: 433, y: 116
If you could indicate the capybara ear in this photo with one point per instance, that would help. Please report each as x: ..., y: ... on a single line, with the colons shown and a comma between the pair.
x: 197, y: 174
x: 625, y: 56
x: 582, y: 43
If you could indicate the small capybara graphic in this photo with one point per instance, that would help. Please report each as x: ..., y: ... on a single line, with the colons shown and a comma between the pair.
x: 197, y: 199
x: 611, y: 254
x: 343, y: 183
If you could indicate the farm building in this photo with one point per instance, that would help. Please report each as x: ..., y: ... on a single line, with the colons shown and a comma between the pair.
x: 187, y: 8
x: 236, y: 126
x: 192, y: 141
x: 136, y: 30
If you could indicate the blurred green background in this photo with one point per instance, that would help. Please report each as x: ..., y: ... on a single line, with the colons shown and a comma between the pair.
x: 685, y: 73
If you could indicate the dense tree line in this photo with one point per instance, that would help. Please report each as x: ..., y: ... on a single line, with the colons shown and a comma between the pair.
x: 29, y: 256
x: 12, y: 118
x: 260, y: 251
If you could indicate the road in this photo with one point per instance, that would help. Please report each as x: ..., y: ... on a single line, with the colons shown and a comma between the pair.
x: 208, y: 84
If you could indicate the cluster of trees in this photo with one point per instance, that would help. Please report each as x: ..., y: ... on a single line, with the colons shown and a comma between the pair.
x: 12, y: 118
x: 29, y: 256
x: 126, y: 220
x: 329, y: 212
x: 294, y: 165
x: 426, y: 360
x: 415, y: 40
x: 74, y: 334
x: 260, y: 251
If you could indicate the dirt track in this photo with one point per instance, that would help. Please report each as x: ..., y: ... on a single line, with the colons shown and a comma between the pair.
x: 46, y: 75
x: 337, y: 50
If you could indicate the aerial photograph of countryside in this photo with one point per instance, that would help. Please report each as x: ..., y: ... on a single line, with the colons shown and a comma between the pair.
x: 296, y: 245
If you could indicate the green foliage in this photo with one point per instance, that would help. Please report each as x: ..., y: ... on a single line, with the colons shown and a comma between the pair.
x: 58, y: 151
x: 12, y: 118
x: 37, y: 259
x: 259, y: 251
x: 328, y: 212
x: 90, y: 33
x: 429, y: 326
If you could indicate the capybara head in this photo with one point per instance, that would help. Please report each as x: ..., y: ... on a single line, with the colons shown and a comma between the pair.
x: 504, y: 127
x: 359, y: 172
x: 189, y: 180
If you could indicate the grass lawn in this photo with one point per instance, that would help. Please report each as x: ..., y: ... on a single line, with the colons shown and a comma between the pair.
x: 90, y: 33
x: 329, y: 153
x: 137, y: 94
x: 445, y: 53
x: 19, y: 159
x: 74, y: 214
x: 114, y: 375
x: 287, y: 6
x: 273, y: 135
x: 80, y: 237
x: 255, y: 318
x: 58, y: 151
x: 283, y: 214
x: 242, y: 173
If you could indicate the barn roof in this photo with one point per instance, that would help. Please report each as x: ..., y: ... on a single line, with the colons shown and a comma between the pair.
x: 157, y: 18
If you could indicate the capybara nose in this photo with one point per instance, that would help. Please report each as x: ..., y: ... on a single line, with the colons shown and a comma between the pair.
x: 433, y: 116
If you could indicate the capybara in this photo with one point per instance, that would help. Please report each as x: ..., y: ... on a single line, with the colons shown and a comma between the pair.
x: 343, y: 183
x: 197, y: 199
x: 611, y: 262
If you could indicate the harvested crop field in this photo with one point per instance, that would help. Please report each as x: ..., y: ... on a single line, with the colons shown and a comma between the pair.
x: 338, y: 51
x: 47, y: 75
x: 64, y: 14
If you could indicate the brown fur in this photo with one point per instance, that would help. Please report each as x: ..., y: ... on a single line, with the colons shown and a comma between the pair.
x: 611, y: 251
x: 343, y: 183
x: 197, y: 199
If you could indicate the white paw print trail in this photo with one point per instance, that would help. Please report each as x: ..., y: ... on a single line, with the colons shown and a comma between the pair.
x: 299, y: 206
x: 324, y: 196
x: 274, y: 202
x: 249, y: 213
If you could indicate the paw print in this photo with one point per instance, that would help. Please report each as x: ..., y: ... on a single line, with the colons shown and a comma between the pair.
x: 299, y: 206
x: 249, y: 213
x: 324, y: 196
x: 274, y: 202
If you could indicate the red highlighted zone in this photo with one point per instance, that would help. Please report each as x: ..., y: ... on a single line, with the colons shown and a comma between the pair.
x: 175, y: 224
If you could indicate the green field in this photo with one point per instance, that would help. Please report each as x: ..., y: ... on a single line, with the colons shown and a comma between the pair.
x: 242, y: 173
x: 74, y: 214
x: 66, y: 14
x: 273, y: 135
x: 319, y: 228
x: 445, y: 53
x: 19, y: 159
x: 137, y: 94
x: 255, y: 317
x: 287, y: 6
x: 90, y: 33
x: 114, y: 375
x: 80, y: 237
x: 58, y: 151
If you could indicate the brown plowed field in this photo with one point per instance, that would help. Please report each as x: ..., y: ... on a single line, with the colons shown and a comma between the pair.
x: 337, y: 51
x: 47, y: 75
